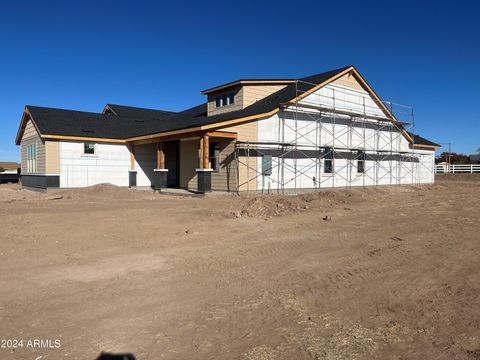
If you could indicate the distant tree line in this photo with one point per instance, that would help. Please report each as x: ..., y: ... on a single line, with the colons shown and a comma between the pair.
x: 455, y: 158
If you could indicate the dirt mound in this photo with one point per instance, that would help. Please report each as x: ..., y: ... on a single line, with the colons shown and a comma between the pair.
x: 268, y: 206
x: 99, y: 191
x: 277, y: 205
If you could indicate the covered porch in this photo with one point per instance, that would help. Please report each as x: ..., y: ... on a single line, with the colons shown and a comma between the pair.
x: 194, y: 161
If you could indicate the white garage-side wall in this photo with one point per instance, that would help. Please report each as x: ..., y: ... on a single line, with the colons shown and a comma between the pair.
x: 109, y: 164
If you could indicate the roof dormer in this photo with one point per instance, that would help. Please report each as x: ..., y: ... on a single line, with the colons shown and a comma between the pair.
x: 240, y: 94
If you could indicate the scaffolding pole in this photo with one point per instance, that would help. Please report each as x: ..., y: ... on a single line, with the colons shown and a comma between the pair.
x: 344, y: 129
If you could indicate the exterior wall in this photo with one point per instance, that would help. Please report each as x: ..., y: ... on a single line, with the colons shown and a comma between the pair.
x: 31, y: 136
x: 212, y: 110
x: 226, y: 177
x: 109, y: 164
x: 245, y: 95
x: 389, y: 159
x: 52, y: 157
x: 222, y: 180
x: 145, y: 162
x: 350, y: 81
x: 189, y: 162
x: 246, y: 132
x: 305, y: 168
x: 253, y: 93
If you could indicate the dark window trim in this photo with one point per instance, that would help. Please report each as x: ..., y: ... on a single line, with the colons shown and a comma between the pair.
x: 85, y: 147
x: 361, y: 162
x: 214, y: 154
x: 231, y: 97
x: 226, y: 99
x: 328, y: 161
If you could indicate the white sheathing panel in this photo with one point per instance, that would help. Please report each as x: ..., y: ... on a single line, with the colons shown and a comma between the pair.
x: 110, y: 164
x: 345, y: 98
x: 145, y: 162
x: 299, y: 125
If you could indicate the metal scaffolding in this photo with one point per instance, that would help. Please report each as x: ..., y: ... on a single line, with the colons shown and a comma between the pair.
x: 319, y: 131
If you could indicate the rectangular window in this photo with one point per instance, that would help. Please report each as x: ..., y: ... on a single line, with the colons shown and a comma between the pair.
x: 361, y: 162
x: 225, y: 99
x: 328, y: 161
x: 214, y: 156
x: 88, y: 148
x: 32, y: 158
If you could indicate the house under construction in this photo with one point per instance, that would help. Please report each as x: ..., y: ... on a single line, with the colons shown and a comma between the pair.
x: 269, y: 135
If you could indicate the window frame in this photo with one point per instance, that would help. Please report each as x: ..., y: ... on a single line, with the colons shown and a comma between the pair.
x: 328, y: 158
x: 360, y: 162
x: 32, y: 158
x: 225, y: 99
x: 231, y: 98
x: 94, y: 149
x: 214, y: 153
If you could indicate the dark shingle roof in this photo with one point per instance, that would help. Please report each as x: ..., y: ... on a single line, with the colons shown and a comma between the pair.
x: 197, y: 116
x: 136, y: 112
x: 51, y: 121
x: 418, y: 140
x: 132, y: 122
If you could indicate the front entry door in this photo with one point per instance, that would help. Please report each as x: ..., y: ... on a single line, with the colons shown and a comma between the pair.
x: 171, y: 149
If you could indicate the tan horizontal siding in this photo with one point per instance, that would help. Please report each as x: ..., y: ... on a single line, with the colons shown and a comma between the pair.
x: 350, y: 81
x: 245, y: 132
x: 225, y: 179
x: 253, y: 93
x: 238, y: 105
x: 189, y: 162
x: 245, y: 96
x: 52, y: 159
x: 30, y: 131
x: 247, y: 171
x: 246, y: 167
x: 23, y: 156
x: 31, y: 136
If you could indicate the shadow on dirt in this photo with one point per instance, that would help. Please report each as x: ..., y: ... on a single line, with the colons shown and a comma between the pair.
x: 110, y: 356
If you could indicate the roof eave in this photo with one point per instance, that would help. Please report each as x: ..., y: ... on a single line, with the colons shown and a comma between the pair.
x: 25, y: 117
x: 425, y: 146
x: 247, y: 82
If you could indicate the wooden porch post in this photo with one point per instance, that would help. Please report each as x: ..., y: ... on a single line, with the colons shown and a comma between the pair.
x: 204, y: 173
x: 160, y: 173
x: 205, y: 151
x: 132, y: 174
x: 132, y: 157
x: 160, y: 156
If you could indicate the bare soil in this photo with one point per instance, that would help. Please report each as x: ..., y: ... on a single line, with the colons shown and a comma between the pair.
x: 380, y: 273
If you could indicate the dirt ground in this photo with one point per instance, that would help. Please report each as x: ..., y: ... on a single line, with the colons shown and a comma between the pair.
x: 380, y: 273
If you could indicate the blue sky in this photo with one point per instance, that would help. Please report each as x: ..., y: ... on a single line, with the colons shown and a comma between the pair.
x: 82, y: 55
